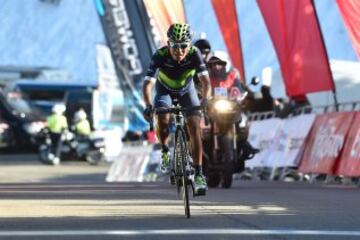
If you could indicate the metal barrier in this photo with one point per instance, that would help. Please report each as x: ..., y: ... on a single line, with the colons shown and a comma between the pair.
x: 342, y: 107
x: 281, y: 173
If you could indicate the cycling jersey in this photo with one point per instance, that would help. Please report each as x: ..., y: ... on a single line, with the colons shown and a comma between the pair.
x: 173, y: 75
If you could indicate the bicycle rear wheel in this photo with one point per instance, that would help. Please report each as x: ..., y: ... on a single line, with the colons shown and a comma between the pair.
x: 182, y: 178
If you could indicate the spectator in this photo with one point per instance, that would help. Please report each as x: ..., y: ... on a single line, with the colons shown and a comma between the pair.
x: 284, y: 108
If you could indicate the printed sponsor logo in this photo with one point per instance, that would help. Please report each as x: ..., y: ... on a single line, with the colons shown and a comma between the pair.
x: 327, y: 144
x: 127, y: 52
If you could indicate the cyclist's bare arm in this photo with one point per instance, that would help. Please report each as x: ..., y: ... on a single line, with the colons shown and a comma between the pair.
x: 206, y: 86
x: 147, y: 88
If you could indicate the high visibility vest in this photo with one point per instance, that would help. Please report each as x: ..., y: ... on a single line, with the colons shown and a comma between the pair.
x: 83, y: 127
x: 56, y: 123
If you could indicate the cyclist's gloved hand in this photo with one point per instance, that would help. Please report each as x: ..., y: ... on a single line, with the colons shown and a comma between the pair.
x: 148, y: 112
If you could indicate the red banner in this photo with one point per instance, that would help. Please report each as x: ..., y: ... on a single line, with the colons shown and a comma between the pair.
x: 350, y: 158
x: 326, y: 140
x: 225, y: 11
x: 296, y: 35
x: 350, y: 11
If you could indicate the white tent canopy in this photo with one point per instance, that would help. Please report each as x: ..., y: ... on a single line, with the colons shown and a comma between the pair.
x: 346, y: 75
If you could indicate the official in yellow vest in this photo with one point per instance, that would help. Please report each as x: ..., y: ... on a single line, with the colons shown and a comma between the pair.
x: 56, y: 124
x: 82, y: 125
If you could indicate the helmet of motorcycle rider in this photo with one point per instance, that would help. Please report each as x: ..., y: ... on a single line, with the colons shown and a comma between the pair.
x: 58, y: 109
x: 80, y: 115
x: 203, y: 45
x: 220, y: 57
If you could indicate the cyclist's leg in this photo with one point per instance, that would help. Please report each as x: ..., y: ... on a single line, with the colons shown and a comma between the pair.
x: 163, y: 99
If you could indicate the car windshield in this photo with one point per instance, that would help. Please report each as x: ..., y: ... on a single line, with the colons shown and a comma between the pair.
x: 20, y: 105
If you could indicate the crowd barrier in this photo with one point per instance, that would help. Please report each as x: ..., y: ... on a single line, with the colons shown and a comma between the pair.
x: 318, y: 140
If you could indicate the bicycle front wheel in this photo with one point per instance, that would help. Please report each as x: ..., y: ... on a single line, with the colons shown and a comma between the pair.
x: 181, y: 161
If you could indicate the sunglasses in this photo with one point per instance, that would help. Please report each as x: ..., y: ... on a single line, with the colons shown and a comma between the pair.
x: 217, y: 63
x: 182, y: 45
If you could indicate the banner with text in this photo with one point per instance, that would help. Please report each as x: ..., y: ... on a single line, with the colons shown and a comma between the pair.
x: 262, y: 135
x: 350, y: 157
x: 288, y: 144
x: 325, y: 142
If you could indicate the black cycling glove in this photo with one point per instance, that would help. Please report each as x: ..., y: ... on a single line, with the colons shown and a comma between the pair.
x: 148, y: 112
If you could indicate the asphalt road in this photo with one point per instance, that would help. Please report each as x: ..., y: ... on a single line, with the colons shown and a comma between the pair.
x: 73, y: 201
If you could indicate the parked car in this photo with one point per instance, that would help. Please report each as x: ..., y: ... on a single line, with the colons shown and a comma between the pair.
x: 6, y: 136
x: 24, y: 120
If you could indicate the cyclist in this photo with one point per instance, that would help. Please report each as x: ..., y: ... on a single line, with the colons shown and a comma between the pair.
x: 171, y: 70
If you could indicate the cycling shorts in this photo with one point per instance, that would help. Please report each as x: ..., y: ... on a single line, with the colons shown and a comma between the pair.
x: 186, y: 99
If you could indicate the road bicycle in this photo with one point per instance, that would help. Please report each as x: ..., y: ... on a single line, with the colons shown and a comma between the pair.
x: 181, y: 173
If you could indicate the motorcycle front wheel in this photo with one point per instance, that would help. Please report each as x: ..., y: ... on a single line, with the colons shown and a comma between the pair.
x: 94, y: 157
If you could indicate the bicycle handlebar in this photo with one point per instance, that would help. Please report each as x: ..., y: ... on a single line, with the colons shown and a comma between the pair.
x: 176, y: 109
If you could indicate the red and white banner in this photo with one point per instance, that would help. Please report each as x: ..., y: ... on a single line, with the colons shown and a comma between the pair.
x: 350, y: 11
x: 350, y: 158
x: 225, y: 11
x: 325, y: 142
x: 288, y: 143
x: 262, y: 135
x: 296, y: 35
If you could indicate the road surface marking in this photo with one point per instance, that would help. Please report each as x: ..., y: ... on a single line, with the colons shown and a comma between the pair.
x: 181, y: 232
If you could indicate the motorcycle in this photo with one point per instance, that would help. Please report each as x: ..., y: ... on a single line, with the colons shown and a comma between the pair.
x: 90, y: 149
x: 221, y: 140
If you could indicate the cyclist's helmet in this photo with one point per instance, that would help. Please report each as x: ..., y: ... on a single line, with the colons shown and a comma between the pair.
x: 203, y: 45
x: 179, y: 32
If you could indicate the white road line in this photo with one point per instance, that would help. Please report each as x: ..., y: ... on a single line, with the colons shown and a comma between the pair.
x: 181, y: 232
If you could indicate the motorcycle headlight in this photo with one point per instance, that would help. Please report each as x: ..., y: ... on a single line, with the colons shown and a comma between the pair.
x: 34, y: 127
x: 223, y: 106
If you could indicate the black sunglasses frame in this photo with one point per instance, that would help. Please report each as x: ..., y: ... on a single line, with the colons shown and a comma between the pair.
x: 182, y: 45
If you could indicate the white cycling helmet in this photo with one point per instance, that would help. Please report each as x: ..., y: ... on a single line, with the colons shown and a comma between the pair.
x: 221, y: 56
x: 58, y: 108
x: 80, y: 115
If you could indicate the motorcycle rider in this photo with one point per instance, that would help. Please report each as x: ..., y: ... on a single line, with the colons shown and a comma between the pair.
x: 171, y: 71
x: 205, y: 48
x: 81, y: 124
x: 56, y: 124
x: 223, y: 74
